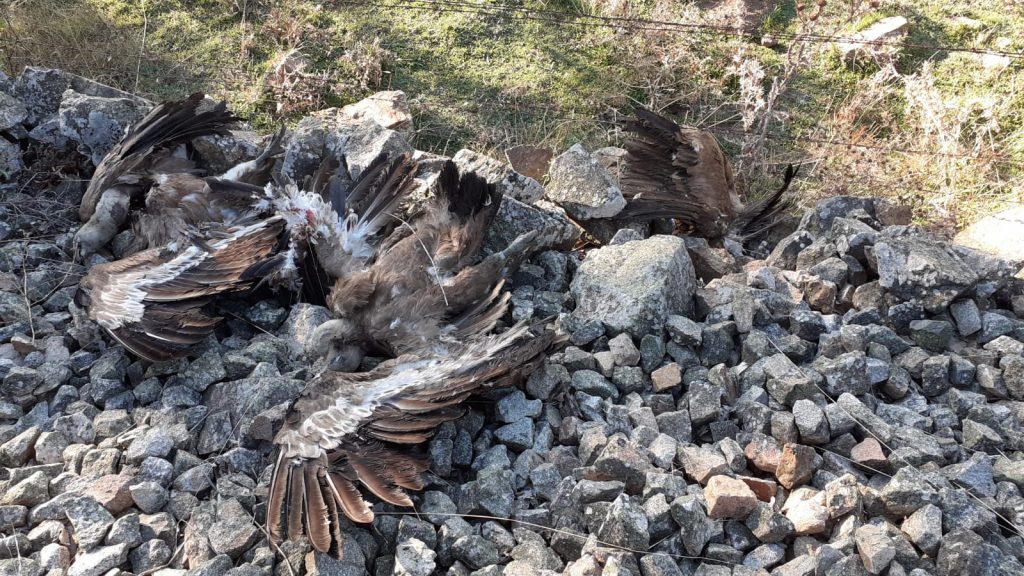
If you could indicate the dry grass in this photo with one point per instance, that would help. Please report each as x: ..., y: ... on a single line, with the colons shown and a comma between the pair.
x: 489, y: 82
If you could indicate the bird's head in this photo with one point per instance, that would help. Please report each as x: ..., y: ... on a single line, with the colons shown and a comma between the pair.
x: 339, y: 340
x: 87, y: 241
x: 83, y: 296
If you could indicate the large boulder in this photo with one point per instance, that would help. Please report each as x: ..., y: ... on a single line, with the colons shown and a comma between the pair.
x: 582, y: 185
x: 97, y: 123
x: 913, y: 267
x: 1000, y: 235
x: 12, y: 112
x: 511, y: 183
x: 10, y: 159
x: 221, y: 153
x: 358, y: 141
x: 531, y: 161
x: 819, y: 220
x: 634, y: 287
x: 41, y: 91
x: 389, y: 109
x: 515, y: 218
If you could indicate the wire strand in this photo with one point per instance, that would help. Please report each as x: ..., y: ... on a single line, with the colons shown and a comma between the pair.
x: 554, y: 16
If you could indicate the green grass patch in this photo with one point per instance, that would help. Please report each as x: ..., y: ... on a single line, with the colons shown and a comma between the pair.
x: 487, y: 78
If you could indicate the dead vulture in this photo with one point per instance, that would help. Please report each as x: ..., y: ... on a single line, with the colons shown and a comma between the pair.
x: 348, y: 433
x: 678, y: 172
x: 429, y: 284
x: 152, y: 302
x: 149, y: 163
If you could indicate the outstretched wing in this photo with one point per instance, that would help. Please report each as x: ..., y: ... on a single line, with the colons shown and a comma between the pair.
x: 151, y: 302
x: 349, y: 432
x: 165, y: 126
x: 675, y: 172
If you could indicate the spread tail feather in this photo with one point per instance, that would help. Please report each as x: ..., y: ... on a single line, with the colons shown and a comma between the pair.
x: 309, y: 497
x: 468, y: 193
x: 758, y: 217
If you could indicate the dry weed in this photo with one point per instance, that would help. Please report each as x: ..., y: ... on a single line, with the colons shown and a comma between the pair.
x: 364, y: 62
x: 295, y: 87
x: 959, y: 129
x: 74, y: 37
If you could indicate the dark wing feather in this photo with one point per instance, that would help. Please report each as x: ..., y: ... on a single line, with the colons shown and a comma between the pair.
x: 165, y: 126
x: 318, y: 520
x: 276, y: 500
x: 152, y: 301
x: 296, y: 500
x: 675, y: 172
x: 760, y: 216
x: 375, y: 195
x: 473, y: 202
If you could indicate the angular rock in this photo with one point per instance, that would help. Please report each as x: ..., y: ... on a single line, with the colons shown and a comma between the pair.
x: 924, y: 528
x: 515, y: 218
x: 582, y: 186
x: 99, y: 561
x: 990, y: 235
x: 768, y: 525
x: 625, y: 525
x: 89, y: 519
x: 96, y: 123
x: 912, y: 267
x: 634, y: 287
x: 796, y: 465
x: 875, y: 40
x: 875, y: 547
x: 414, y: 558
x: 729, y: 498
x: 511, y: 183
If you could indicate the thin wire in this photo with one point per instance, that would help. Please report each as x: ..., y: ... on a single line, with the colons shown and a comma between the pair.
x: 1000, y: 159
x: 525, y: 13
x: 885, y: 445
x: 563, y: 532
x: 878, y: 438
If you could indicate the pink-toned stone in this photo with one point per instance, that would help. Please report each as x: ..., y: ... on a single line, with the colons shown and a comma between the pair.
x: 764, y: 454
x: 668, y: 376
x: 796, y: 466
x: 532, y: 161
x: 820, y: 294
x: 892, y: 214
x: 729, y: 498
x: 111, y: 491
x: 868, y: 452
x: 763, y: 489
x: 702, y: 464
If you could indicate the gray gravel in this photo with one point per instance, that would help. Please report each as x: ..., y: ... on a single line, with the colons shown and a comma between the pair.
x: 850, y: 405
